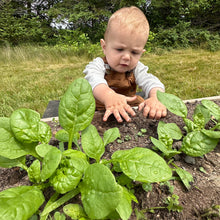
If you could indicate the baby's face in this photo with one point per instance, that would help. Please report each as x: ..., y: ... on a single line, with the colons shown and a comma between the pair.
x: 123, y: 48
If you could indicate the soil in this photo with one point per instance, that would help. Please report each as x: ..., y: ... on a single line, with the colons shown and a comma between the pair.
x: 197, y: 202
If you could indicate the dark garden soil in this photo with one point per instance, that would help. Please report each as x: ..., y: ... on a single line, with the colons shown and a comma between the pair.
x: 197, y: 202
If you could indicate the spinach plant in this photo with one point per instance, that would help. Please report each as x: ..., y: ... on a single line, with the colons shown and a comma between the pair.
x: 198, y: 140
x: 166, y: 134
x: 69, y: 171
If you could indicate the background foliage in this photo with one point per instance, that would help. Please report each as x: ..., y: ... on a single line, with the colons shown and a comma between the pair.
x: 46, y: 44
x: 174, y: 23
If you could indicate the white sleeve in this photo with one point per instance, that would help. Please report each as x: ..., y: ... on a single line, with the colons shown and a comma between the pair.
x: 145, y: 80
x: 95, y: 72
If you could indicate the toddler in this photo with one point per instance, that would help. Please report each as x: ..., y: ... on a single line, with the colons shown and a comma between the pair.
x: 115, y: 77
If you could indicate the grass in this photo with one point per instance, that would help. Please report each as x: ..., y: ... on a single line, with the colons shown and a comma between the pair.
x: 32, y: 76
x: 187, y: 74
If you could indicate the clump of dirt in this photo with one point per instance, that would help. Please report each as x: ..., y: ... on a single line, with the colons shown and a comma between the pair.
x: 197, y: 202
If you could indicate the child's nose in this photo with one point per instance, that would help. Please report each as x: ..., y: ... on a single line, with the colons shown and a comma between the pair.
x: 126, y: 56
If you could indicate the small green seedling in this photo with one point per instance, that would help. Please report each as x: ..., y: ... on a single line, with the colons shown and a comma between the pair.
x: 147, y: 187
x: 212, y: 212
x: 202, y: 170
x: 170, y: 188
x: 172, y: 203
x: 127, y: 137
x: 119, y: 141
x: 142, y: 132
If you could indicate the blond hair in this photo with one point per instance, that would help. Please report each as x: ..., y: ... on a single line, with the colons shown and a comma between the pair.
x: 129, y: 17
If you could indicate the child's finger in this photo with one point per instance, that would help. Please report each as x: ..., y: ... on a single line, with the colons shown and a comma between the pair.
x: 107, y: 114
x: 130, y: 99
x: 164, y: 113
x: 146, y: 111
x: 117, y: 115
x: 141, y: 106
x: 129, y: 110
x: 124, y: 114
x: 153, y: 113
x: 158, y: 114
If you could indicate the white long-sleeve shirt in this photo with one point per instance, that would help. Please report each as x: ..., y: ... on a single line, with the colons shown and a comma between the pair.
x: 96, y: 69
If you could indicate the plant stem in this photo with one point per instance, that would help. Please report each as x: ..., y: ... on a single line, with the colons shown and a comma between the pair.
x: 174, y: 165
x: 23, y: 166
x: 76, y: 143
x: 51, y: 201
x: 70, y: 141
x: 216, y: 126
x: 42, y: 186
x: 52, y: 206
x: 105, y: 161
x: 153, y: 208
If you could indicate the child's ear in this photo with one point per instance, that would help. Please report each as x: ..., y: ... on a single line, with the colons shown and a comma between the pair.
x: 102, y: 42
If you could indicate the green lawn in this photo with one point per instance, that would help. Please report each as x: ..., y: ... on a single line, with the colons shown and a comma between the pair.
x: 32, y: 76
x: 187, y: 73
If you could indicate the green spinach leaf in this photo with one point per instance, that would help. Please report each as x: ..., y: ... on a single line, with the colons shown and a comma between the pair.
x: 124, y: 208
x: 196, y: 144
x: 27, y: 127
x: 92, y: 143
x: 77, y: 107
x: 20, y: 202
x: 170, y: 129
x: 213, y: 108
x: 173, y: 103
x: 142, y: 164
x: 204, y: 111
x: 9, y: 163
x: 68, y: 174
x: 34, y: 172
x: 211, y: 134
x: 50, y: 163
x: 75, y: 211
x: 163, y: 148
x: 185, y: 176
x: 111, y: 135
x: 99, y: 189
x: 9, y: 146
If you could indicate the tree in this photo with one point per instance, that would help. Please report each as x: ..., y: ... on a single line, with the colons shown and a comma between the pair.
x: 90, y: 16
x: 25, y: 21
x: 205, y: 14
x: 36, y: 20
x: 16, y: 26
x: 200, y: 13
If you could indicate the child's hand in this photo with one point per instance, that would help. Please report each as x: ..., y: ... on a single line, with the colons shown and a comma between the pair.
x: 118, y: 106
x: 153, y: 108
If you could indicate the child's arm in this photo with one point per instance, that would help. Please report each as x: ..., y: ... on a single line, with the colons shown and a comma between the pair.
x: 114, y: 103
x: 152, y: 107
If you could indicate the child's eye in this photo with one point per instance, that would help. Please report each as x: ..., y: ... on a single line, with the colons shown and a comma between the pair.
x: 135, y: 52
x: 119, y: 49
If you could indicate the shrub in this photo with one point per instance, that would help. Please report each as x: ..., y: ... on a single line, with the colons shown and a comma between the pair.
x: 183, y: 36
x: 77, y: 42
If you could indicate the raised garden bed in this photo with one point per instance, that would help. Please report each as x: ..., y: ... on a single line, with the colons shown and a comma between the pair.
x: 200, y: 201
x: 205, y: 190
